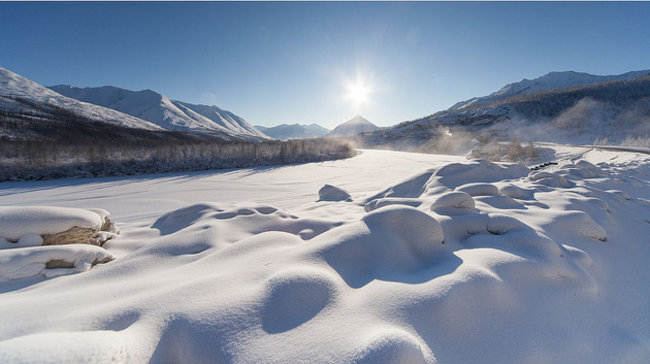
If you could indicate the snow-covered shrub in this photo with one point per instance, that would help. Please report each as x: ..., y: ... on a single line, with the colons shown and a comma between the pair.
x: 602, y: 141
x: 513, y: 151
x: 638, y: 142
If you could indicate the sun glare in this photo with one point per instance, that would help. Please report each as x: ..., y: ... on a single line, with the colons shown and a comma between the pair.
x: 358, y: 93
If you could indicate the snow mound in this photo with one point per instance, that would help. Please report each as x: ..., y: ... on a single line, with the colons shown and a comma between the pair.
x: 29, y: 240
x: 381, y: 202
x: 478, y: 189
x: 392, y: 346
x: 511, y: 191
x: 475, y: 175
x: 479, y: 170
x: 231, y: 223
x: 576, y: 222
x: 549, y: 179
x: 620, y: 194
x: 453, y: 200
x: 580, y: 170
x: 500, y: 224
x: 387, y: 243
x: 333, y: 193
x: 50, y: 261
x: 293, y: 297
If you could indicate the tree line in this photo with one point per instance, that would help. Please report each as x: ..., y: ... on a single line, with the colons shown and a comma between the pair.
x: 56, y: 144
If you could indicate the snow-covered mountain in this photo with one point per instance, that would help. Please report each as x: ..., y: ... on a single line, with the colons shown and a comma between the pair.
x: 615, y: 109
x: 552, y: 80
x: 160, y: 110
x: 21, y: 96
x: 352, y: 128
x: 316, y: 129
x: 293, y: 131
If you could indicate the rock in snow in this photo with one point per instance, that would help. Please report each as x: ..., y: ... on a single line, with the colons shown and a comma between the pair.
x: 25, y: 231
x: 53, y: 225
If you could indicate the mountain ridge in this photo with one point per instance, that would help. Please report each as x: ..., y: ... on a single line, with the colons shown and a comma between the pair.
x: 160, y: 110
x: 548, y: 81
x: 293, y: 131
x: 20, y: 95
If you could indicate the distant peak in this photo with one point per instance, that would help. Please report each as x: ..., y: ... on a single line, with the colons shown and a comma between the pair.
x: 358, y: 119
x: 63, y: 86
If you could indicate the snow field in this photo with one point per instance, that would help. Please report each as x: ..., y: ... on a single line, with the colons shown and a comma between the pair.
x: 459, y: 263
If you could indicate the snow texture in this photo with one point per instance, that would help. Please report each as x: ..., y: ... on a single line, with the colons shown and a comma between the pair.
x: 246, y: 266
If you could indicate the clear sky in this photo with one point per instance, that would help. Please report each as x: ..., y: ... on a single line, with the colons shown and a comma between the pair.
x: 324, y: 62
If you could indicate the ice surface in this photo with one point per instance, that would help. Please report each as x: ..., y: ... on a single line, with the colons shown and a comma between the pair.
x: 247, y: 266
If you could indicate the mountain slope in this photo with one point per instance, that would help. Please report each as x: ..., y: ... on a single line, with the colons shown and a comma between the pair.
x: 613, y: 110
x: 552, y: 80
x: 160, y: 110
x: 316, y: 129
x: 21, y: 96
x: 285, y: 132
x: 352, y: 128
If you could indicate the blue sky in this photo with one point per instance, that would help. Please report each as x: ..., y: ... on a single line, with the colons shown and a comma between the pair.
x: 275, y: 63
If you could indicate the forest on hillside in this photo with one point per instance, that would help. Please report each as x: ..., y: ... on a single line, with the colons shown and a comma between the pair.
x: 70, y: 146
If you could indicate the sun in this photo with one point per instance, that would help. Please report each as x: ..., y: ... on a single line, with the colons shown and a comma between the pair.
x: 358, y: 93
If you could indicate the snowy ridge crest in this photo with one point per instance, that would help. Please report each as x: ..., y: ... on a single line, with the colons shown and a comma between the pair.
x: 17, y: 92
x: 548, y: 81
x: 164, y: 112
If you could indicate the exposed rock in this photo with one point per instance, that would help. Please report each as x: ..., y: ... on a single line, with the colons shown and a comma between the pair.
x: 58, y: 263
x: 78, y: 235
